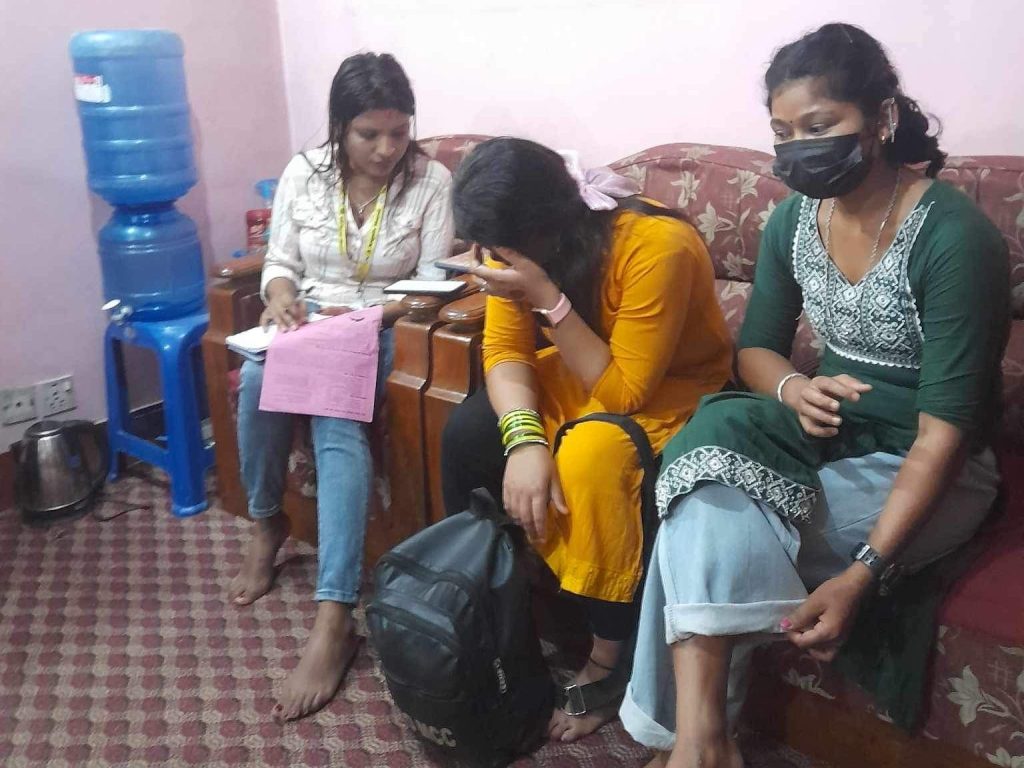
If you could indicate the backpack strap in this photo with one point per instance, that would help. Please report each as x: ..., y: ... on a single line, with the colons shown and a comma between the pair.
x: 577, y: 699
x: 649, y: 465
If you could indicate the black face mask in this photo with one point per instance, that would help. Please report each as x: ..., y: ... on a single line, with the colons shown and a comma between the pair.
x: 821, y: 168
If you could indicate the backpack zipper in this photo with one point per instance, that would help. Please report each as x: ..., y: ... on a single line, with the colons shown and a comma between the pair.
x: 425, y: 627
x: 410, y: 620
x: 416, y: 569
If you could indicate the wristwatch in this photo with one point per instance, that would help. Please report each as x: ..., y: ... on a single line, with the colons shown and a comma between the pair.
x: 550, y: 318
x: 868, y: 555
x: 885, y: 573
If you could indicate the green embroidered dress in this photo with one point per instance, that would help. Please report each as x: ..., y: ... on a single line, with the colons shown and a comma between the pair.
x: 757, y: 514
x: 926, y: 327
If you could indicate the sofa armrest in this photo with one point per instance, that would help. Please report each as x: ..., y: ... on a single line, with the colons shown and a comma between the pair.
x: 423, y: 307
x: 234, y: 305
x: 409, y: 379
x: 465, y: 315
x: 455, y: 373
x: 240, y: 268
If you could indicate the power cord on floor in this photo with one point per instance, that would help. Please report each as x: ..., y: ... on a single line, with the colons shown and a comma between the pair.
x: 59, y: 530
x: 104, y: 498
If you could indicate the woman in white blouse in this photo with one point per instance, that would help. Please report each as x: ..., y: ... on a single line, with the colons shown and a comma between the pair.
x: 363, y: 210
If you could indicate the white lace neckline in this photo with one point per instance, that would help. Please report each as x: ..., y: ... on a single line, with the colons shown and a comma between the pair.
x: 874, y: 320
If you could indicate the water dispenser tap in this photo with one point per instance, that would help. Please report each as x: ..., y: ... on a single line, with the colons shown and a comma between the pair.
x: 119, y: 313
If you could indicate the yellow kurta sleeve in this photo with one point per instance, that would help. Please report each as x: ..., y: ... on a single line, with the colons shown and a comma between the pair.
x: 656, y: 274
x: 509, y: 332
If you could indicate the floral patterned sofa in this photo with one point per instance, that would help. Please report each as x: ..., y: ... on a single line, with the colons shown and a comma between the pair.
x: 976, y: 701
x: 975, y: 708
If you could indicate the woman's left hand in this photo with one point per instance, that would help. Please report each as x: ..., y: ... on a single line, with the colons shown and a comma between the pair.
x: 523, y: 280
x: 392, y: 311
x: 822, y: 622
x: 333, y: 311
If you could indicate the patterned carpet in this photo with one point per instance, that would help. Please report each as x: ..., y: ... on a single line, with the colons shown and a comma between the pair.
x: 117, y: 648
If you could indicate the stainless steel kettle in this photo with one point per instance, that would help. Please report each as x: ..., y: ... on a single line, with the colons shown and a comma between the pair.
x: 60, y: 468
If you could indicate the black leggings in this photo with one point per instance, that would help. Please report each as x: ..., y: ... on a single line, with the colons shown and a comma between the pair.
x: 472, y: 457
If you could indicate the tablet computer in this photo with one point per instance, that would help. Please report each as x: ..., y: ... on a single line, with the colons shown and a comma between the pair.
x: 443, y: 288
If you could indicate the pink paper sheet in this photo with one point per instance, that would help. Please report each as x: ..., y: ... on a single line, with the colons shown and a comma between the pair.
x: 327, y: 368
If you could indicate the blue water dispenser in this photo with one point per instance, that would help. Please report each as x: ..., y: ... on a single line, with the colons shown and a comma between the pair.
x: 133, y: 107
x: 129, y: 86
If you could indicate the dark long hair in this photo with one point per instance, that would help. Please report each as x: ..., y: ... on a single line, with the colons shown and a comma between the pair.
x: 854, y: 68
x: 364, y: 82
x: 518, y: 194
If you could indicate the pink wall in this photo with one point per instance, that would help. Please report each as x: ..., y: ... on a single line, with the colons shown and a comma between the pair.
x: 611, y: 77
x: 49, y: 270
x: 606, y: 77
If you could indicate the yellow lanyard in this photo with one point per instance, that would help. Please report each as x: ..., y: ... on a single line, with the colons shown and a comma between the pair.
x: 366, y: 259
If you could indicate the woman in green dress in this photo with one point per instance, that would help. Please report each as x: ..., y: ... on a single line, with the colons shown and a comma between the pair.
x: 783, y: 507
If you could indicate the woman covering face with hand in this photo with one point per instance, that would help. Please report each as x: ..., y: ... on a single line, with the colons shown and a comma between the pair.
x: 622, y: 294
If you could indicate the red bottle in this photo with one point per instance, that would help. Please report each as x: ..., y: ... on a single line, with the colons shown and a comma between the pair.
x: 257, y: 227
x: 257, y: 221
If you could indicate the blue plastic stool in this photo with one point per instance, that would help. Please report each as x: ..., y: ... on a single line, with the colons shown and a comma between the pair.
x: 187, y: 457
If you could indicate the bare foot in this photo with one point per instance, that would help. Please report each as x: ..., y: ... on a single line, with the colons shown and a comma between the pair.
x: 330, y: 650
x: 565, y: 727
x: 724, y: 754
x: 256, y: 576
x: 660, y: 760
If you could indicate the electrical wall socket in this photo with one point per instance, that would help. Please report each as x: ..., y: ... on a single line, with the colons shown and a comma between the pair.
x: 55, y: 396
x: 17, y: 405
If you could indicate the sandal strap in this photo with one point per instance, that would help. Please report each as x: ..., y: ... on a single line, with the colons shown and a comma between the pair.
x: 577, y: 700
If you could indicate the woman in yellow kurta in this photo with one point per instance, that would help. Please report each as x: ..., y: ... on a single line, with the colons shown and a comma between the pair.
x: 624, y: 293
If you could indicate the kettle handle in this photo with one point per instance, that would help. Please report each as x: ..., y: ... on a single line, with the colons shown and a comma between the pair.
x: 99, y: 433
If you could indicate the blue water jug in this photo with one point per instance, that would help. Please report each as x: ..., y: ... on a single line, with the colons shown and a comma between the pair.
x: 130, y: 91
x: 152, y: 262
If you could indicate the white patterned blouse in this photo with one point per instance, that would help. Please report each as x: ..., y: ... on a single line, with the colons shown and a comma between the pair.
x: 417, y: 230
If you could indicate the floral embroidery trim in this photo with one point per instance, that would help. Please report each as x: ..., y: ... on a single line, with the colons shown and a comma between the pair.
x: 712, y: 463
x: 875, y: 320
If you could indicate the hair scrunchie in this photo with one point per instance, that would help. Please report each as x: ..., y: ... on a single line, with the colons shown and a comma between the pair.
x: 599, y: 187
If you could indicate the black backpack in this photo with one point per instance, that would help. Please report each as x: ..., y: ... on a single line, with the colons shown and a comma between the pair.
x: 452, y: 622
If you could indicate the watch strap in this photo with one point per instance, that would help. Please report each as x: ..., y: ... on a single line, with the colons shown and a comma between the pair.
x: 557, y: 313
x: 868, y: 555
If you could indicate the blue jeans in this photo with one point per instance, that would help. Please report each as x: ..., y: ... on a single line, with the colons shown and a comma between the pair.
x: 344, y: 471
x: 725, y: 564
